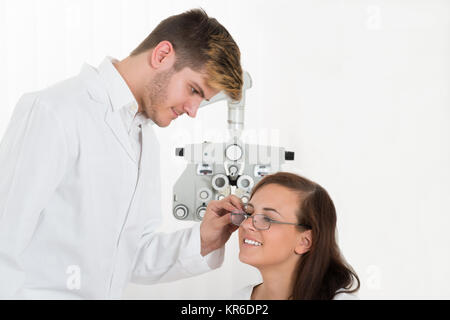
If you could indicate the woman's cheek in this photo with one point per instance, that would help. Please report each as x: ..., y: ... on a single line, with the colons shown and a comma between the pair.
x: 277, y: 247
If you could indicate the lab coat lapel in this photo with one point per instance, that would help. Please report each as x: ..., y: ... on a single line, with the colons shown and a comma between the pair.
x: 144, y: 214
x: 98, y: 92
x: 115, y: 123
x: 146, y: 203
x: 150, y: 168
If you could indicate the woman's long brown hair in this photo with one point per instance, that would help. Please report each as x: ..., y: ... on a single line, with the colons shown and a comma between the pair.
x: 321, y: 271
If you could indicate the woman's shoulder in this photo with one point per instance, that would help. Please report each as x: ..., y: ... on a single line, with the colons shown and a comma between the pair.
x: 244, y: 293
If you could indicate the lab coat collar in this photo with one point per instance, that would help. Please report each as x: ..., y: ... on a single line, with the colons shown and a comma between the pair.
x: 119, y: 93
x: 106, y: 86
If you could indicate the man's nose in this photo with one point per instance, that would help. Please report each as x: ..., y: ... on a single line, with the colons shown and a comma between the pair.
x: 191, y: 107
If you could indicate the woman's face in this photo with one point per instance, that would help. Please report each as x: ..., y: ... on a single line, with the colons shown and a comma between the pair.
x: 281, y: 241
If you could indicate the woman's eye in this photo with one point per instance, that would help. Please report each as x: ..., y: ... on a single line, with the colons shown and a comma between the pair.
x: 247, y: 214
x: 267, y: 219
x: 193, y: 91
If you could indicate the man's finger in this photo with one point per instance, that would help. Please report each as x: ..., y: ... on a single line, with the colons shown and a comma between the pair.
x: 235, y: 201
x: 225, y: 220
x: 226, y: 205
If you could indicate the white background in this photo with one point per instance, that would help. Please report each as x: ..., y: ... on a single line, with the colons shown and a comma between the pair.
x: 358, y: 89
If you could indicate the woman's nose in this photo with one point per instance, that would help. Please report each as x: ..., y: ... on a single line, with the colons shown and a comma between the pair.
x: 248, y: 224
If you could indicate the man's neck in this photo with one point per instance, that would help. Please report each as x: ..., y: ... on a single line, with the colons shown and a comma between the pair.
x: 129, y: 71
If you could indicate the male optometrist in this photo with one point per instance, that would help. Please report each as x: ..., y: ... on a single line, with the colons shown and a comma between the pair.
x: 79, y: 170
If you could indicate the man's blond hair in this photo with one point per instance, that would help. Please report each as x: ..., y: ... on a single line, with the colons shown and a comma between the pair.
x: 204, y: 45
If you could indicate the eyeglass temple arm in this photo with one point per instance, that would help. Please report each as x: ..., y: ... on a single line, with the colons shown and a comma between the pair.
x: 294, y: 224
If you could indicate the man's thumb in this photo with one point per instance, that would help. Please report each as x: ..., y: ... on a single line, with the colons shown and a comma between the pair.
x: 225, y: 219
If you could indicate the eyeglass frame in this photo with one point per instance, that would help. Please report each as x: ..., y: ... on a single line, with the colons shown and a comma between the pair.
x: 270, y: 220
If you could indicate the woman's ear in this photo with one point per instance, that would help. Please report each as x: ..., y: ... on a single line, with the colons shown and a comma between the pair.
x: 304, y: 243
x: 162, y: 57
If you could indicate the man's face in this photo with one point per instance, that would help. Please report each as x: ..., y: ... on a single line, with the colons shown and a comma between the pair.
x: 170, y: 94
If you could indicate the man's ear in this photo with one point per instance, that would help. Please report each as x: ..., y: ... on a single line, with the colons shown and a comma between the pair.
x: 162, y: 57
x: 304, y: 243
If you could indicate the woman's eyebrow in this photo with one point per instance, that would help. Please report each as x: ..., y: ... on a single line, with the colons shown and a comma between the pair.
x: 265, y: 209
x: 271, y: 209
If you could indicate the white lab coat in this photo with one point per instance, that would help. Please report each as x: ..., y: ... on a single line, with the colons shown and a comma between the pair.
x: 77, y: 212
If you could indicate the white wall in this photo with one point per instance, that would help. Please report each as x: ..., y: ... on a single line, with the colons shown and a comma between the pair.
x: 358, y: 89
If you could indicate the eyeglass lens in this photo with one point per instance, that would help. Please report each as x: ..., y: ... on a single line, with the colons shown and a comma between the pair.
x: 259, y: 221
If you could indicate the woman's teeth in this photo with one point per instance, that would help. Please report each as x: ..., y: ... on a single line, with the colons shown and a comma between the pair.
x: 254, y: 243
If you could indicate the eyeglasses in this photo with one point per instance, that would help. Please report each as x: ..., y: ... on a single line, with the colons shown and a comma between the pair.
x: 260, y: 221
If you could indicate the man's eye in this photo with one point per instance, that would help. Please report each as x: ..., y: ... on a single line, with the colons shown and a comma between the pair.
x: 194, y: 91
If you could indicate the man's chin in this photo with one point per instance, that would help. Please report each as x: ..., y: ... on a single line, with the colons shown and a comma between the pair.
x: 163, y: 123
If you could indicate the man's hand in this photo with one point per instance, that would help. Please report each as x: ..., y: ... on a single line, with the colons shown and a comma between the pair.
x: 216, y: 227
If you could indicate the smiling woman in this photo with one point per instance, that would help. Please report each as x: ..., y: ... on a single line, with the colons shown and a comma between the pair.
x: 287, y: 231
